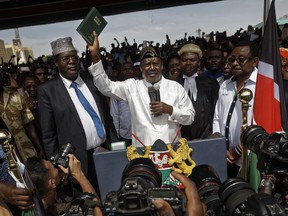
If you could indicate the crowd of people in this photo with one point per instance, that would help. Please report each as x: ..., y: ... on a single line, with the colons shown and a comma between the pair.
x: 99, y: 98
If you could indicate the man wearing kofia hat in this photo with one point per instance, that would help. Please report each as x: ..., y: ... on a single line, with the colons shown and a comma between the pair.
x: 72, y: 110
x: 150, y: 120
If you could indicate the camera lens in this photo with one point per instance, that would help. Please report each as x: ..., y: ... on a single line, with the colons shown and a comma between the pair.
x: 68, y: 149
x: 252, y: 137
x: 145, y: 169
x: 208, y: 184
x: 233, y: 193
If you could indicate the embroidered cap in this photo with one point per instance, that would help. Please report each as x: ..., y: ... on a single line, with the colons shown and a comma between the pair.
x: 148, y: 52
x: 62, y: 45
x: 190, y: 48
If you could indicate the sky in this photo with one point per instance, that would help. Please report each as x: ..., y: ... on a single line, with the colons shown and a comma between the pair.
x: 152, y: 25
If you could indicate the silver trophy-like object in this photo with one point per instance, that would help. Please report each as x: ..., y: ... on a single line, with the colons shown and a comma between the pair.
x: 13, y: 167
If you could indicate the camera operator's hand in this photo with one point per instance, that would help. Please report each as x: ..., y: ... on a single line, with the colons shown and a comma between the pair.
x: 232, y: 156
x: 74, y: 167
x: 76, y: 171
x: 194, y: 206
x: 20, y: 197
x: 163, y: 208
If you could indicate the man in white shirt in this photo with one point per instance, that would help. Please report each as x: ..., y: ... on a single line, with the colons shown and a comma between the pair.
x: 150, y: 120
x: 243, y: 61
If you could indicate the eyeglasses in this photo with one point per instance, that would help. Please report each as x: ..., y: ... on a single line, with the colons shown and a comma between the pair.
x: 241, y: 60
x: 67, y: 59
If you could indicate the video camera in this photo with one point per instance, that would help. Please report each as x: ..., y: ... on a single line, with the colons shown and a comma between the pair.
x: 140, y: 184
x: 61, y: 157
x: 271, y: 149
x: 234, y: 197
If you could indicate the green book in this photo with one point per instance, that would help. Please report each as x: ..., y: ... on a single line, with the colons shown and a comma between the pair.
x: 93, y: 21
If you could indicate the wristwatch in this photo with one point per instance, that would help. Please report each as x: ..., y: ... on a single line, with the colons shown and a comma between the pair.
x: 266, y: 183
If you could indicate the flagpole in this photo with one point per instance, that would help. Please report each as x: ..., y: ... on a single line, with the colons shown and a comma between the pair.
x: 267, y: 4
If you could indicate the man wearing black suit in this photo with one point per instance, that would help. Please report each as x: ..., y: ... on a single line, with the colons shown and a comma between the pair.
x: 63, y: 117
x: 202, y: 90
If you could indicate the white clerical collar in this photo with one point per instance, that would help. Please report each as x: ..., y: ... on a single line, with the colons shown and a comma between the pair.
x: 187, y: 77
x: 190, y: 86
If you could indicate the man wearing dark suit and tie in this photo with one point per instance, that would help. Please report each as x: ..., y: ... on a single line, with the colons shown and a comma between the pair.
x: 72, y: 110
x: 202, y: 90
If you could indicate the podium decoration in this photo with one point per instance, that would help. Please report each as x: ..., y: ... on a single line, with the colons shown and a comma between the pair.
x: 167, y: 159
x: 181, y: 160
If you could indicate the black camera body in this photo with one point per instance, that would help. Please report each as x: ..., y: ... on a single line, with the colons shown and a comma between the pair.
x: 271, y: 149
x: 61, y: 157
x: 83, y: 205
x: 235, y: 197
x: 240, y: 199
x: 141, y: 183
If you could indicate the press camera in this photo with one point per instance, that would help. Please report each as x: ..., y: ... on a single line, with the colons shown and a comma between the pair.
x: 83, y: 205
x: 61, y: 158
x: 271, y: 149
x: 140, y: 184
x: 208, y: 184
x: 234, y: 197
x: 240, y: 199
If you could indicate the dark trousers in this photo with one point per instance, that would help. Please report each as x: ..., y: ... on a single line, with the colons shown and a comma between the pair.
x: 91, y: 175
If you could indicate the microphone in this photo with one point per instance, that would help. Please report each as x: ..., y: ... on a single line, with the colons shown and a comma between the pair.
x: 157, y: 92
x: 152, y: 93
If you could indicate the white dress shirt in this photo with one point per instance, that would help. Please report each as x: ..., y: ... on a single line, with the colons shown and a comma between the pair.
x: 93, y: 140
x: 135, y: 92
x: 227, y: 92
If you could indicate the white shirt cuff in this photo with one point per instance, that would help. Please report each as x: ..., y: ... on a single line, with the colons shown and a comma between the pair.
x: 96, y: 69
